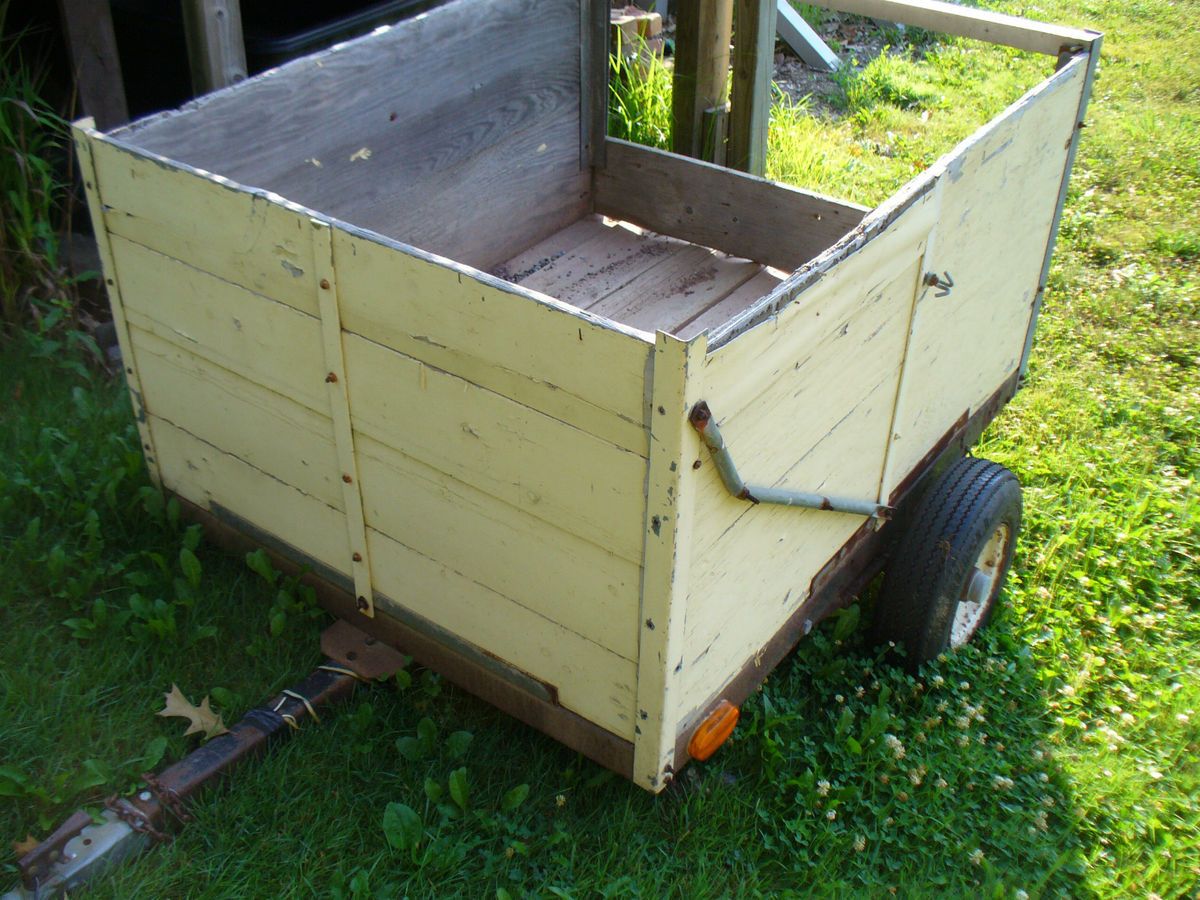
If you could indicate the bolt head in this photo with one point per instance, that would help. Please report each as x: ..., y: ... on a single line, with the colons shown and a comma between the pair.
x: 324, y: 284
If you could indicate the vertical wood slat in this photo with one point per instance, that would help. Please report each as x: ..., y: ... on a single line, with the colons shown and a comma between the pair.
x: 83, y: 149
x: 750, y: 104
x: 593, y: 81
x: 216, y: 48
x: 95, y: 63
x: 669, y: 497
x: 339, y: 405
x: 702, y: 31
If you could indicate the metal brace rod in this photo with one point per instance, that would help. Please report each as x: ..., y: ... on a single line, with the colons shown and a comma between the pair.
x: 702, y: 420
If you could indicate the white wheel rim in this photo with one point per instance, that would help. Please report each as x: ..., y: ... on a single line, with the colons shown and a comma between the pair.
x: 981, y: 587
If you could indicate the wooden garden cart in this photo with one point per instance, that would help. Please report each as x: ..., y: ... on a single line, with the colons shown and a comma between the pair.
x: 597, y: 431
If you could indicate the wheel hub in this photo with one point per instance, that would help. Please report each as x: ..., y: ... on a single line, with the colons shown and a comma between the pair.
x: 981, y: 587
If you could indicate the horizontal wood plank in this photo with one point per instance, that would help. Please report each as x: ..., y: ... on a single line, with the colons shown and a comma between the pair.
x: 211, y: 478
x: 715, y: 207
x: 585, y: 588
x: 591, y: 681
x: 264, y: 428
x: 965, y: 21
x: 537, y: 464
x: 539, y: 352
x: 729, y: 305
x: 244, y: 237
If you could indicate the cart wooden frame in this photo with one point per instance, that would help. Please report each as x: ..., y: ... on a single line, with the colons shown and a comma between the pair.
x: 320, y: 280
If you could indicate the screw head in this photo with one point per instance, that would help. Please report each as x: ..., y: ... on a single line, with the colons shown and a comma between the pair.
x: 362, y: 603
x: 324, y: 284
x: 347, y: 479
x: 331, y: 378
x: 357, y: 557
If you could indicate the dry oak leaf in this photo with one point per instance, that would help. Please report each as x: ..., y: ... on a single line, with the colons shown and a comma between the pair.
x: 203, y: 720
x: 26, y: 846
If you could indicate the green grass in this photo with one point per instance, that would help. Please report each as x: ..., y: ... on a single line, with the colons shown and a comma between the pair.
x: 1057, y: 757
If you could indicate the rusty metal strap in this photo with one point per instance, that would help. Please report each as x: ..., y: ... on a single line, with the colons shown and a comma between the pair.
x: 702, y: 420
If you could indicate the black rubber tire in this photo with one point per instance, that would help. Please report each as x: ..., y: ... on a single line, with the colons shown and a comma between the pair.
x: 934, y: 559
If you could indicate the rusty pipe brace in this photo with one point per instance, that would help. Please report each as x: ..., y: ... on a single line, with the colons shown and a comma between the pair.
x: 701, y: 418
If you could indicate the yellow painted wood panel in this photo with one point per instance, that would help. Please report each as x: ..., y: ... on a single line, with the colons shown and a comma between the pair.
x: 207, y: 475
x: 850, y: 350
x: 757, y: 573
x: 266, y: 342
x: 249, y: 238
x: 266, y: 429
x: 582, y: 586
x: 540, y: 353
x: 998, y: 200
x: 590, y: 680
x: 531, y: 461
x: 822, y: 426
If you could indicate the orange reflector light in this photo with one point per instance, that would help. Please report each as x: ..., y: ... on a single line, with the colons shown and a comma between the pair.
x: 713, y: 731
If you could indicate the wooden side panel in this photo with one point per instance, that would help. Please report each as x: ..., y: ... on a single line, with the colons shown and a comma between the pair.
x: 240, y: 236
x: 541, y: 353
x: 404, y: 130
x: 584, y: 587
x: 590, y: 680
x: 716, y: 207
x: 210, y: 477
x: 805, y: 403
x: 998, y: 200
x: 537, y: 464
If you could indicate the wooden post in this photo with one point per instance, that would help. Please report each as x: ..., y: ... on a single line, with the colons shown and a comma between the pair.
x: 95, y: 65
x: 216, y: 49
x: 702, y: 29
x: 750, y: 106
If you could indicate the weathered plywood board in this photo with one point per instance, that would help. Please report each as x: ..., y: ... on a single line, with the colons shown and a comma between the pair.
x: 716, y: 207
x: 999, y: 193
x: 402, y: 131
x: 582, y: 586
x: 980, y: 24
x: 590, y: 680
x: 535, y: 463
x: 540, y: 352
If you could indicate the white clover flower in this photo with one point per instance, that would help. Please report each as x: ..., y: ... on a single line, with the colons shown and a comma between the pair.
x: 860, y: 844
x: 823, y: 788
x: 915, y: 777
x: 1021, y: 895
x: 941, y: 784
x: 839, y: 698
x: 938, y: 680
x: 831, y: 815
x: 976, y: 857
x: 1002, y: 783
x: 965, y: 685
x: 963, y: 722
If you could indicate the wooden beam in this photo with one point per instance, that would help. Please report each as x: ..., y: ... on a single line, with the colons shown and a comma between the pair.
x: 770, y: 223
x: 982, y: 25
x: 702, y: 31
x: 95, y: 64
x: 805, y: 42
x: 750, y: 105
x: 216, y: 49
